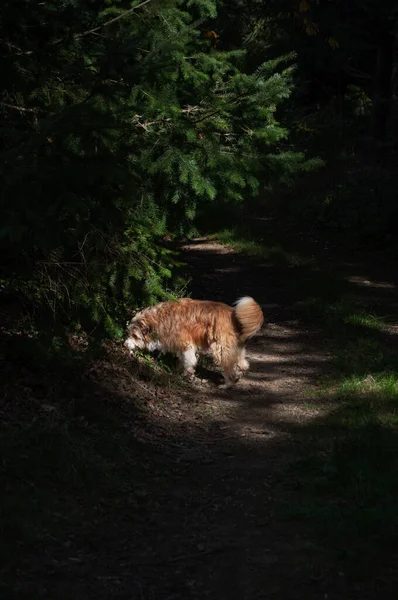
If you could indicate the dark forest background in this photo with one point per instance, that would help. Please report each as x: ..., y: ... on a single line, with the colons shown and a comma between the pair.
x: 121, y: 122
x: 268, y: 129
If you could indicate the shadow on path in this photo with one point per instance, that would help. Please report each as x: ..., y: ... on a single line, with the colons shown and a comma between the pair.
x: 208, y: 502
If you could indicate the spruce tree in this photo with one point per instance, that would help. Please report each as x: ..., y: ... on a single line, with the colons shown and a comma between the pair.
x: 118, y: 120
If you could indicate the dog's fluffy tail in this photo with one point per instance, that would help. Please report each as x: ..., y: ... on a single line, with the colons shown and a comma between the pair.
x: 249, y: 316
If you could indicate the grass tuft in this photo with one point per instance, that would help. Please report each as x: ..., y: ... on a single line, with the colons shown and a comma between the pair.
x: 349, y: 312
x: 350, y: 485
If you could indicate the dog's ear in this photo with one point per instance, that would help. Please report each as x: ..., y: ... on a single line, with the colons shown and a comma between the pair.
x: 144, y: 328
x: 140, y: 326
x: 131, y: 326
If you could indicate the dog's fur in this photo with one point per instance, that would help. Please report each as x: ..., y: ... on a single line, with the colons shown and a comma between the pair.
x: 185, y: 327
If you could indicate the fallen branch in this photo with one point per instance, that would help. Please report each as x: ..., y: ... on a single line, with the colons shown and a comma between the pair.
x: 20, y: 108
x: 181, y: 557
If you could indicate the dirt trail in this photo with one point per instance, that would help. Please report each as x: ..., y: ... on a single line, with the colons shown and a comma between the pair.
x: 209, y: 521
x: 234, y: 548
x: 285, y: 357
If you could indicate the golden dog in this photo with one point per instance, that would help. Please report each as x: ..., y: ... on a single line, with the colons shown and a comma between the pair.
x: 185, y: 327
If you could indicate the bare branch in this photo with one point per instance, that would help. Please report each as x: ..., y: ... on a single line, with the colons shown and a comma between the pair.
x: 20, y: 108
x: 357, y: 73
x: 125, y: 14
x: 19, y: 53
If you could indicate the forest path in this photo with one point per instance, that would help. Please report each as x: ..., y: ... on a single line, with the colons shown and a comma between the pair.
x: 243, y: 483
x: 253, y: 555
x: 285, y: 358
x: 156, y: 491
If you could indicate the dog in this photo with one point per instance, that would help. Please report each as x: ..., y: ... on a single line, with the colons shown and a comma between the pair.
x: 186, y: 327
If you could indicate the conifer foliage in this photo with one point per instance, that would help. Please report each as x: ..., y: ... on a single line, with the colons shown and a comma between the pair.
x: 117, y: 119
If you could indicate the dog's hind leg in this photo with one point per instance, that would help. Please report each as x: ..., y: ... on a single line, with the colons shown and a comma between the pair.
x: 232, y: 374
x: 227, y: 358
x: 230, y: 368
x: 188, y: 360
x: 242, y: 362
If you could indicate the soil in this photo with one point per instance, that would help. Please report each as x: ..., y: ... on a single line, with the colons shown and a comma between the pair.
x: 209, y: 524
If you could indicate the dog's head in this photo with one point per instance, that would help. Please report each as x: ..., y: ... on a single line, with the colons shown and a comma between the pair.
x: 137, y: 336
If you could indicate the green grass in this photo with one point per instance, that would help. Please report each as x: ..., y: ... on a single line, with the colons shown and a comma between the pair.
x: 350, y: 312
x: 344, y: 484
x: 349, y: 484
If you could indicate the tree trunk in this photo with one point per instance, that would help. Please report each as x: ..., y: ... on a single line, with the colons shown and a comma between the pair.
x: 393, y: 117
x: 381, y: 89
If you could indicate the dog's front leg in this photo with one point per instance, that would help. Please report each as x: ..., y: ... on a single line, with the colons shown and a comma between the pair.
x: 188, y: 361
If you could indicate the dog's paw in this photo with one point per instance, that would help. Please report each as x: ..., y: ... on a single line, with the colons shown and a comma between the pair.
x: 227, y: 385
x: 195, y: 382
x: 243, y: 366
x: 193, y: 379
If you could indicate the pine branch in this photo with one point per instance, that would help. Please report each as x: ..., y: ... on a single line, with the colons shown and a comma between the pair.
x: 125, y: 14
x: 219, y: 110
x: 189, y: 109
x: 94, y: 30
